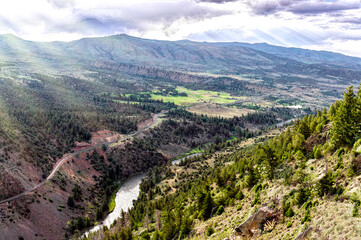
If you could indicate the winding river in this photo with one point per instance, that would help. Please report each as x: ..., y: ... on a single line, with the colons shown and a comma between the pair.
x: 285, y: 122
x: 129, y: 192
x: 125, y: 196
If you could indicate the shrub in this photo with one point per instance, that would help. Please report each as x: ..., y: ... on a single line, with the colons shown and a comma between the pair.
x: 220, y: 210
x: 302, y: 195
x: 318, y: 153
x: 290, y: 212
x: 257, y: 199
x: 308, y: 204
x: 355, y: 209
x: 209, y: 230
x: 325, y: 185
x: 239, y: 195
x: 357, y: 146
x: 71, y: 202
x: 307, y: 217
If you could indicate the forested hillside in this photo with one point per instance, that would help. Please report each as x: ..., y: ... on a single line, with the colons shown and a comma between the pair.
x: 43, y: 121
x: 90, y: 107
x: 306, y: 179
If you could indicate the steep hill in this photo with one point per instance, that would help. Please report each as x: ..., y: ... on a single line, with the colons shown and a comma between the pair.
x: 302, y: 183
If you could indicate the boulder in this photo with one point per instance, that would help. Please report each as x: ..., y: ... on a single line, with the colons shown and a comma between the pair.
x: 253, y: 224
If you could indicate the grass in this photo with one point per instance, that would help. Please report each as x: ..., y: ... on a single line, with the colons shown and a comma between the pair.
x: 111, y: 204
x: 195, y: 150
x: 192, y: 151
x: 196, y: 96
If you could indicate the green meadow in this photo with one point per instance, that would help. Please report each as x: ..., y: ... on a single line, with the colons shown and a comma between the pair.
x: 196, y: 96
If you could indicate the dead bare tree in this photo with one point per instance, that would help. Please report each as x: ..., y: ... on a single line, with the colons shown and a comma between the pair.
x: 158, y: 219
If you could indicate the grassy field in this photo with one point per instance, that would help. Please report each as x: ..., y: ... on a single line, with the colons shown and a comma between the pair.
x: 197, y: 96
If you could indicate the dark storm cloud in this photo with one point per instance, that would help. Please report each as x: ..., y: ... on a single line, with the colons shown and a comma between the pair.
x: 301, y: 6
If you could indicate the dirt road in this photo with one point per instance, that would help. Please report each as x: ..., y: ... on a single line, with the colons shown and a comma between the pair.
x: 69, y: 156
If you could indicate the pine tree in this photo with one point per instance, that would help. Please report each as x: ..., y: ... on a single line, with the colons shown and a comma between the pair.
x: 343, y: 128
x: 303, y: 128
x: 358, y: 115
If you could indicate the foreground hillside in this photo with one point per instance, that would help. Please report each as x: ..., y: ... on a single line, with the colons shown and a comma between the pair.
x: 304, y: 182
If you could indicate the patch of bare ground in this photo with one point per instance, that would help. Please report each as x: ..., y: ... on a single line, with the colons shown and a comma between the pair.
x: 44, y: 213
x: 217, y: 110
x: 145, y: 123
x: 104, y: 136
x: 172, y: 150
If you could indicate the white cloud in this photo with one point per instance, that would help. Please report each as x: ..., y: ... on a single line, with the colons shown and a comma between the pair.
x: 318, y: 24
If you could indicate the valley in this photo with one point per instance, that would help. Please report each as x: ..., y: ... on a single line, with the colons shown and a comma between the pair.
x: 80, y: 120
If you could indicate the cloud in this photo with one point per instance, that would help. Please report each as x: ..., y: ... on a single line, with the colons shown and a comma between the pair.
x: 217, y: 1
x: 158, y: 16
x: 323, y: 7
x: 62, y: 3
x: 269, y: 6
x: 266, y: 7
x: 297, y: 23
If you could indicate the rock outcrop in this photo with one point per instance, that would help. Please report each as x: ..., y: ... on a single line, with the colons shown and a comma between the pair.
x: 253, y: 224
x: 303, y: 235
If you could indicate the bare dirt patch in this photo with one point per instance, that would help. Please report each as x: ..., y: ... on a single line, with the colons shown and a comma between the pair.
x: 217, y: 110
x: 104, y: 136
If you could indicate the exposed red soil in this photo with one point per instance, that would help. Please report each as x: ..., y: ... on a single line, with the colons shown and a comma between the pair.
x: 145, y: 123
x: 98, y: 137
x: 38, y: 217
x: 9, y: 186
x: 104, y: 136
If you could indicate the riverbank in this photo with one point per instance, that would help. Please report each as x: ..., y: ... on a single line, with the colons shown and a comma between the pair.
x: 127, y: 193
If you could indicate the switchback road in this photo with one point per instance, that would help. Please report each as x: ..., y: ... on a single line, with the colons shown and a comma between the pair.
x: 69, y: 156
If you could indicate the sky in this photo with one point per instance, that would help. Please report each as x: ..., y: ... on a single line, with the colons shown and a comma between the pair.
x: 333, y: 25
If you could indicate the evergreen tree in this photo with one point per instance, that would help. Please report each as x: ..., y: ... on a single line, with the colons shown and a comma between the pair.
x: 304, y: 129
x: 71, y: 202
x: 358, y: 115
x: 343, y: 128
